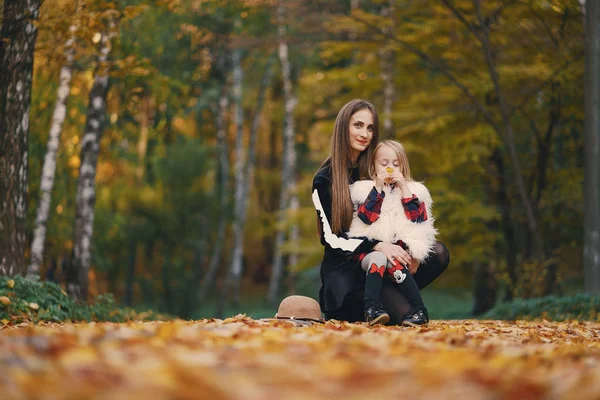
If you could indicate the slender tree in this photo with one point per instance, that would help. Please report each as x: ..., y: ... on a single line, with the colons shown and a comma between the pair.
x: 288, y: 178
x: 234, y: 280
x: 49, y: 167
x: 245, y: 173
x: 17, y: 45
x: 591, y: 248
x: 222, y: 185
x: 388, y: 68
x: 77, y: 285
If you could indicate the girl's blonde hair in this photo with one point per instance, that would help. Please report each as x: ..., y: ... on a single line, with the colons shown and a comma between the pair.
x: 400, y: 155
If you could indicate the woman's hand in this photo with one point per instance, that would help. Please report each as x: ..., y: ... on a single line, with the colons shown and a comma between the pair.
x: 394, y: 252
x: 413, y: 266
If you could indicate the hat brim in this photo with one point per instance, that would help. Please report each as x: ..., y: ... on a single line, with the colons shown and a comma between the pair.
x: 321, y: 321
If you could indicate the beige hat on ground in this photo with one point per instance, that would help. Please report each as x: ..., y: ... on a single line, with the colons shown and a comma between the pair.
x: 301, y: 308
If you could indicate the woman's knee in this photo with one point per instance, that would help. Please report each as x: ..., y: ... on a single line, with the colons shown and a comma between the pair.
x: 442, y: 254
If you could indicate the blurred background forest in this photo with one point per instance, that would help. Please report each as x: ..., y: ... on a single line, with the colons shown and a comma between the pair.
x: 210, y: 118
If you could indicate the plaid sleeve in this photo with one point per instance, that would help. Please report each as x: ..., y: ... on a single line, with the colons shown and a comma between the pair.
x: 368, y: 212
x: 414, y: 209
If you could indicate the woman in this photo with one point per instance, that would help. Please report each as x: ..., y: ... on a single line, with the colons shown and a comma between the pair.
x: 355, y: 135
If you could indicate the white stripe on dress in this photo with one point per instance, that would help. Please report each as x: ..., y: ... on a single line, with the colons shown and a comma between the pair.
x: 332, y: 239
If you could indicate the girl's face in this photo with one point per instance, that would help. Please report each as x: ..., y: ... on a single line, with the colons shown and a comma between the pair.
x: 361, y: 132
x: 386, y: 158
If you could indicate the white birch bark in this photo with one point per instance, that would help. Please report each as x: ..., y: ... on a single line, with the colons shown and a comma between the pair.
x: 236, y: 270
x: 86, y: 183
x: 244, y: 176
x: 288, y: 179
x: 223, y: 194
x: 387, y: 74
x: 49, y: 167
x: 17, y: 44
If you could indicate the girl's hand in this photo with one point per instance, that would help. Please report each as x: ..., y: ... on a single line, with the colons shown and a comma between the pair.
x: 398, y: 178
x: 379, y: 182
x: 394, y: 252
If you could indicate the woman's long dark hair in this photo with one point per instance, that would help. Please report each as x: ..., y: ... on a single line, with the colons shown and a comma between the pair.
x: 341, y: 162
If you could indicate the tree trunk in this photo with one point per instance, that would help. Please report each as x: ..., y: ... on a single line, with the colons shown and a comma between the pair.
x: 288, y: 178
x: 222, y: 194
x: 17, y: 44
x: 166, y: 278
x: 508, y: 133
x: 501, y: 198
x: 49, y: 167
x: 234, y: 279
x: 130, y: 276
x: 245, y: 175
x: 142, y: 147
x: 484, y: 297
x: 387, y: 73
x: 591, y: 247
x: 86, y: 185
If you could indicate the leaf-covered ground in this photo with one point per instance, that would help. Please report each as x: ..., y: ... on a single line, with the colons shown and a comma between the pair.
x: 241, y: 358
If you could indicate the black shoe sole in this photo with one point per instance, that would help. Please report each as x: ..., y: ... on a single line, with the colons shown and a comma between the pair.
x: 381, y: 319
x: 412, y: 324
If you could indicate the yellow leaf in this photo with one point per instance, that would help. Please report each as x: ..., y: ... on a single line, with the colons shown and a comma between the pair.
x: 34, y: 306
x: 4, y: 300
x: 4, y: 321
x: 10, y: 283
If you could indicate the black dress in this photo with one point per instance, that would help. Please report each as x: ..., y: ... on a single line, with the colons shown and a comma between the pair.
x: 340, y: 268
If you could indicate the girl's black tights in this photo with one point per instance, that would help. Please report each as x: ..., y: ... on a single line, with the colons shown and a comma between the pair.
x: 392, y: 299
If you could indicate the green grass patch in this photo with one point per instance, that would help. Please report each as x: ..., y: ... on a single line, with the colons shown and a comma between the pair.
x: 31, y: 300
x: 581, y: 306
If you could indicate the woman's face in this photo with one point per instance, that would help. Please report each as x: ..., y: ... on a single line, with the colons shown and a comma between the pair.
x: 361, y: 132
x: 386, y: 158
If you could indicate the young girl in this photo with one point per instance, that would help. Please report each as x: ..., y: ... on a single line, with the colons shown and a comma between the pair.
x: 394, y: 209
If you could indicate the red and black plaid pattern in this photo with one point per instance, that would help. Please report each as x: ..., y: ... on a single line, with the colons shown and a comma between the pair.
x: 414, y: 209
x: 369, y: 211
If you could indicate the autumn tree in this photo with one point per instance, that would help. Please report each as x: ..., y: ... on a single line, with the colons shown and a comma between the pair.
x: 17, y: 44
x: 90, y: 147
x: 592, y: 145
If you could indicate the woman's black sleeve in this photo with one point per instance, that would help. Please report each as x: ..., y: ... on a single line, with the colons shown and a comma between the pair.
x: 321, y: 196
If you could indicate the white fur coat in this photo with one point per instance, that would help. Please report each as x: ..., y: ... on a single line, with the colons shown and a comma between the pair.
x: 393, y: 224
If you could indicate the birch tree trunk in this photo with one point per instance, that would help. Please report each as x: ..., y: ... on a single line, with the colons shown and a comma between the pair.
x: 244, y: 176
x: 86, y: 185
x: 591, y: 247
x: 17, y: 44
x: 288, y: 179
x: 387, y: 73
x: 233, y: 281
x: 49, y: 167
x: 223, y: 194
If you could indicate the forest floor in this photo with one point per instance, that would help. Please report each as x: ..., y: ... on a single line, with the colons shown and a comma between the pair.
x: 243, y: 358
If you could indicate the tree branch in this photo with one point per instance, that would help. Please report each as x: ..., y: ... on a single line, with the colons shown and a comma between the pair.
x: 444, y: 70
x: 461, y: 18
x: 509, y: 134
